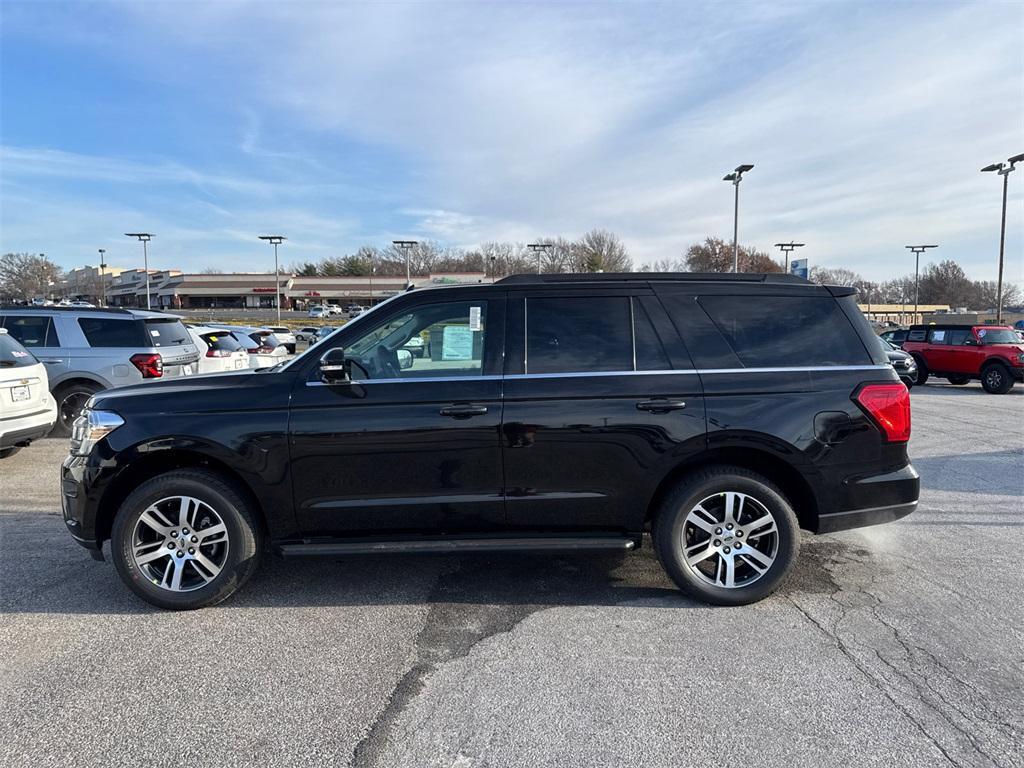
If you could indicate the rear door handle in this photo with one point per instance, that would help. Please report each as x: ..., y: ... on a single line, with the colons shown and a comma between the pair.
x: 463, y: 411
x: 661, y: 405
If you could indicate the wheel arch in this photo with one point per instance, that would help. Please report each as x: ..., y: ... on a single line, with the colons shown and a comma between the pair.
x: 786, y: 476
x: 78, y: 377
x: 148, y: 465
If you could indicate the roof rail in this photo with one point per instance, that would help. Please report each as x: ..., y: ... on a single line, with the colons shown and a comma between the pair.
x: 660, y: 277
x: 55, y: 308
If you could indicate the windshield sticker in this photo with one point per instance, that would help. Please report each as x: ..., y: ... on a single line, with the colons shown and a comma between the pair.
x: 474, y: 319
x: 19, y: 353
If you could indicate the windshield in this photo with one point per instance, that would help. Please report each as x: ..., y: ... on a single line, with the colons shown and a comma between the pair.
x: 998, y: 336
x: 13, y: 355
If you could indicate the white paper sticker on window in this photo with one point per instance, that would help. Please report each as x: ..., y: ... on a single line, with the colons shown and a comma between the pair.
x: 457, y: 343
x: 474, y: 319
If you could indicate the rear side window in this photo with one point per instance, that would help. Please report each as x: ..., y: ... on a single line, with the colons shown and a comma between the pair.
x: 775, y: 331
x: 32, y: 330
x: 578, y: 334
x: 166, y: 333
x: 108, y: 332
x: 13, y: 355
x: 650, y: 354
x: 223, y: 341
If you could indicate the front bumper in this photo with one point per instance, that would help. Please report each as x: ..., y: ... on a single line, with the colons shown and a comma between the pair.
x: 22, y: 430
x: 77, y: 506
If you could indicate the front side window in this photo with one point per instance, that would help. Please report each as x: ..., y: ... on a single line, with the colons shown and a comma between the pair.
x: 32, y: 330
x: 429, y: 341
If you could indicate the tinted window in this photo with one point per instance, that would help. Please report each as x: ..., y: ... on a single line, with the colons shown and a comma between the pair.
x: 166, y: 333
x: 107, y: 332
x: 916, y: 335
x: 959, y: 336
x: 578, y: 334
x: 224, y: 341
x: 650, y: 354
x: 772, y: 331
x: 32, y: 330
x: 13, y: 355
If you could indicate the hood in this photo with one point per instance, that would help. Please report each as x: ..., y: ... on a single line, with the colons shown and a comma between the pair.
x: 168, y: 394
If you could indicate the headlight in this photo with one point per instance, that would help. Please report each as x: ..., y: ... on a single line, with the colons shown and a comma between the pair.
x: 1020, y: 358
x: 91, y: 427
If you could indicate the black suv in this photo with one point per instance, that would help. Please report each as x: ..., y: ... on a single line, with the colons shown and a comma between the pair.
x: 561, y: 412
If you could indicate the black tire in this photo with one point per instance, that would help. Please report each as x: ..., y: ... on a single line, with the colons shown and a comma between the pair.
x: 958, y: 380
x: 669, y: 529
x: 70, y: 400
x: 996, y: 379
x: 8, y: 452
x: 922, y: 371
x: 243, y: 545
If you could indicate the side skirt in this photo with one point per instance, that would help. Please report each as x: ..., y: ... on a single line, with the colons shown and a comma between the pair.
x: 448, y: 544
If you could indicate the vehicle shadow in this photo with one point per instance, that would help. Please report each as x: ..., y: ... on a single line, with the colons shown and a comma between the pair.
x: 54, y: 576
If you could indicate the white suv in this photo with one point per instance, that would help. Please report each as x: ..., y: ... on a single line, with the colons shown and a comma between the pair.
x: 28, y: 410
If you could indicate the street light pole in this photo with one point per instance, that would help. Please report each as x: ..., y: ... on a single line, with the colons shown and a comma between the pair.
x: 1004, y: 170
x: 917, y: 250
x: 103, y: 277
x: 405, y: 246
x: 276, y: 240
x: 787, y: 250
x: 539, y: 248
x: 144, y: 237
x: 736, y: 177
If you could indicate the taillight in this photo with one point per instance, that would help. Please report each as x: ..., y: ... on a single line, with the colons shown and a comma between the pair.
x: 888, y: 405
x: 263, y: 349
x: 150, y: 366
x: 211, y: 352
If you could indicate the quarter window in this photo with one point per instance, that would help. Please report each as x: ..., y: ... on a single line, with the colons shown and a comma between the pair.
x: 772, y: 331
x: 650, y: 354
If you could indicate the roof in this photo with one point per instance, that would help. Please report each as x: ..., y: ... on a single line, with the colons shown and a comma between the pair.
x: 142, y: 314
x: 650, y: 277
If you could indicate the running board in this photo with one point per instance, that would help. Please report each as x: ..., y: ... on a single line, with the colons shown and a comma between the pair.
x: 454, y: 544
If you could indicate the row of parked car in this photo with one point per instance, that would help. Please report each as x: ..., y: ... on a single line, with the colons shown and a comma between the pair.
x: 991, y: 354
x: 53, y: 359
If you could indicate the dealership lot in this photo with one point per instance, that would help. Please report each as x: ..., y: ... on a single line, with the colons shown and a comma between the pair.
x: 898, y: 645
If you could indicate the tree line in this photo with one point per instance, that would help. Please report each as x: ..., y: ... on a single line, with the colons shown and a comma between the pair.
x: 24, y: 276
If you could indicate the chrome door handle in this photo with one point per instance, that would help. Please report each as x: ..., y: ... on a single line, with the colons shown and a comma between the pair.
x: 463, y: 411
x: 660, y: 405
x: 51, y: 360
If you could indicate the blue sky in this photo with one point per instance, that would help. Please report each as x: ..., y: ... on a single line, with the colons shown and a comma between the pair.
x: 342, y: 125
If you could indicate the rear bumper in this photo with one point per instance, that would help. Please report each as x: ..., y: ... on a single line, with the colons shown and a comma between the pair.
x: 22, y: 430
x: 872, y: 499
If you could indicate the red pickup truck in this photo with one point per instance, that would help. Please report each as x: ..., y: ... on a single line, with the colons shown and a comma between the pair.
x: 993, y: 354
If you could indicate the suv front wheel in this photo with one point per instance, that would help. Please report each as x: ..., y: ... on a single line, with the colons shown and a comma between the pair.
x: 185, y: 539
x: 726, y: 536
x: 996, y: 379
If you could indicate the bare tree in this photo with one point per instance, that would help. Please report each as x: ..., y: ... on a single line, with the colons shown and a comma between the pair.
x: 26, y: 276
x: 715, y: 255
x: 600, y: 251
x: 834, y: 276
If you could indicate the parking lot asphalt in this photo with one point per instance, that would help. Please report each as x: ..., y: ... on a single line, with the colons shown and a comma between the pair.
x: 899, y: 645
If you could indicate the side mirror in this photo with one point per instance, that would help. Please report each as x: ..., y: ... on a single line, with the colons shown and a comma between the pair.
x: 334, y: 368
x: 404, y: 359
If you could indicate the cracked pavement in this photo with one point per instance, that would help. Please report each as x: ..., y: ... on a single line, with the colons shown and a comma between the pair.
x: 901, y: 645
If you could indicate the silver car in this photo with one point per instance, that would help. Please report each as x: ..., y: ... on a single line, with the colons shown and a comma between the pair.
x: 88, y: 350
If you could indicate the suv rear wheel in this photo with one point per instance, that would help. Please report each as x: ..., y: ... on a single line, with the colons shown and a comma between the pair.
x: 996, y: 379
x: 726, y: 536
x: 922, y: 371
x: 185, y: 539
x: 958, y: 380
x: 71, y: 398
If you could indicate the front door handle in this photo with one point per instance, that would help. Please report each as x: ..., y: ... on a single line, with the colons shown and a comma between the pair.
x: 51, y: 360
x: 463, y: 411
x: 660, y: 405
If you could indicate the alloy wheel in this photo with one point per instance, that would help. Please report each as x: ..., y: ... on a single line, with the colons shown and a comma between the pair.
x: 730, y: 539
x: 180, y: 543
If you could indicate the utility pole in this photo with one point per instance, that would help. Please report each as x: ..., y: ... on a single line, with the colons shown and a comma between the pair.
x: 276, y: 240
x: 736, y: 177
x: 144, y: 237
x: 917, y: 250
x: 1004, y: 170
x: 406, y: 246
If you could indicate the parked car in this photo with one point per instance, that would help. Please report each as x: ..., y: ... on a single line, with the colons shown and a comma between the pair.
x: 895, y: 337
x: 89, y: 350
x: 27, y: 411
x: 902, y: 362
x: 961, y: 353
x: 306, y: 334
x: 332, y: 309
x: 560, y: 412
x: 322, y: 333
x: 284, y: 336
x: 223, y: 352
x: 264, y: 350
